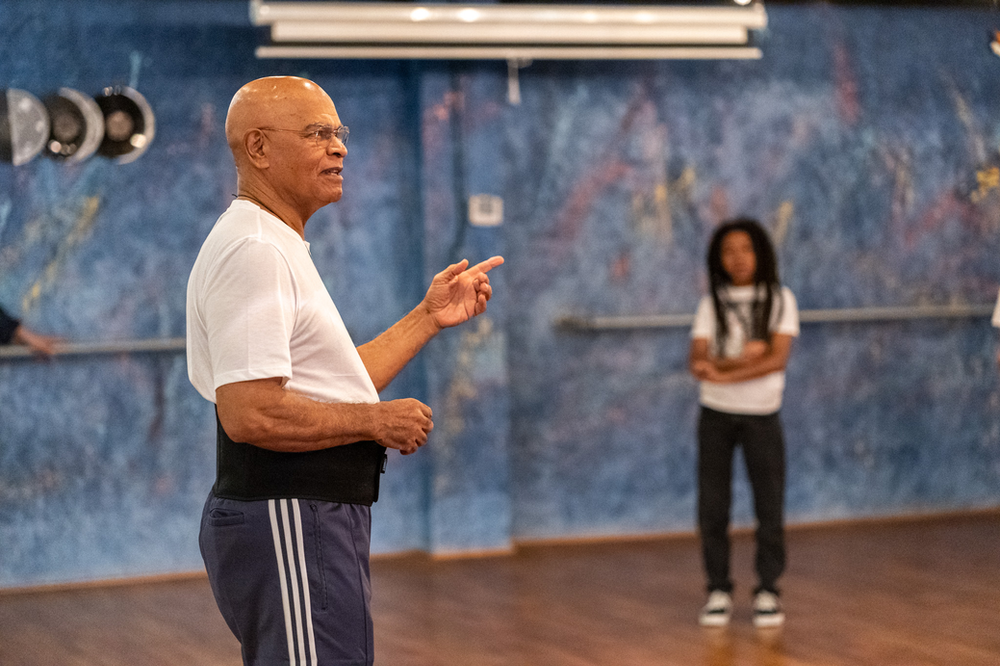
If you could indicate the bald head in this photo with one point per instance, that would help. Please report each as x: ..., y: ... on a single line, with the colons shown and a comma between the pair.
x: 273, y: 101
x: 288, y: 158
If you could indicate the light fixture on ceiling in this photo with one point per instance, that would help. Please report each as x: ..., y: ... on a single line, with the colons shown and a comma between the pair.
x: 507, y: 32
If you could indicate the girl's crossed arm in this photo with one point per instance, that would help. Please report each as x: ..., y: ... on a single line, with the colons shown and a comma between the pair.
x: 756, y: 361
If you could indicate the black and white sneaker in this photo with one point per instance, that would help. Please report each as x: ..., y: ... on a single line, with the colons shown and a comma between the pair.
x: 716, y: 612
x: 767, y: 610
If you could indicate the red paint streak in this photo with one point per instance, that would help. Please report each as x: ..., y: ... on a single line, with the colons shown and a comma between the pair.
x: 719, y: 204
x: 848, y: 107
x: 621, y: 267
x: 947, y: 208
x: 580, y: 200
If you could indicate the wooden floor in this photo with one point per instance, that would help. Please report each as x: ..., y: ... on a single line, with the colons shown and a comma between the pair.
x: 922, y: 592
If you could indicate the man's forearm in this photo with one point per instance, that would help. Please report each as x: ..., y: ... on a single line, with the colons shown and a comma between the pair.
x: 264, y: 414
x: 385, y: 356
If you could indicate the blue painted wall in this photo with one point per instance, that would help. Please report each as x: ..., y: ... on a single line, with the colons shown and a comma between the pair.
x: 857, y: 140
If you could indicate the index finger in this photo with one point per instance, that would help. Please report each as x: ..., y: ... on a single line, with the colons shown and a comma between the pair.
x: 485, y: 266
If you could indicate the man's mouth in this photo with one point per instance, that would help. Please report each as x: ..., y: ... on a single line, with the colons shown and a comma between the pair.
x: 335, y: 171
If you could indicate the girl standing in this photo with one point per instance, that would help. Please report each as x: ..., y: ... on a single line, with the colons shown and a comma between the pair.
x: 740, y: 343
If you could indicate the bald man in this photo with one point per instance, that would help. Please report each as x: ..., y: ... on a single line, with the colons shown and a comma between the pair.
x: 302, y: 435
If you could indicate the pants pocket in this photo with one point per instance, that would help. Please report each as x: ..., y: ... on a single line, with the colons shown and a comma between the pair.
x: 223, y: 517
x: 318, y: 556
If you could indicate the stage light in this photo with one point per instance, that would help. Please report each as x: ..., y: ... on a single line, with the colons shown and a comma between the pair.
x: 76, y: 126
x: 129, y: 124
x: 24, y: 126
x: 69, y: 126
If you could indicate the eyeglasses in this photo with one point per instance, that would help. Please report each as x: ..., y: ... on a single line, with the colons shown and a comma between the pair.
x: 319, y: 136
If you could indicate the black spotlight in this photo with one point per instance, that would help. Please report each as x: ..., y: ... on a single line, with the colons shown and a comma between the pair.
x: 76, y: 126
x: 24, y: 126
x: 129, y: 124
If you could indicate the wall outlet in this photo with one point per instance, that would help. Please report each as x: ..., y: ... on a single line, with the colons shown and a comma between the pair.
x: 485, y: 210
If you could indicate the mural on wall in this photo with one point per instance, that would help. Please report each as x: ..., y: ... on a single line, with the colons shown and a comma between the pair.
x: 469, y: 499
x: 869, y: 151
x: 870, y: 163
x: 105, y: 460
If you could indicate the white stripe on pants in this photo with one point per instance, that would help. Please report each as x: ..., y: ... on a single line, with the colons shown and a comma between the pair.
x: 294, y: 576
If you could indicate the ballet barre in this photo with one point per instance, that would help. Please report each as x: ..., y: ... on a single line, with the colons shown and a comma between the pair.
x: 577, y: 323
x: 847, y: 315
x: 98, y: 347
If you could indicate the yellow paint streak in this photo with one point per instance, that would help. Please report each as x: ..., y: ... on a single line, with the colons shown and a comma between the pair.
x: 81, y: 229
x: 462, y: 387
x: 964, y: 113
x: 651, y: 213
x: 782, y: 221
x: 988, y: 180
x: 686, y: 180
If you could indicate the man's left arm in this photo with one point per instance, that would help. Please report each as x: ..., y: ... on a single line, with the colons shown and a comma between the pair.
x: 456, y: 295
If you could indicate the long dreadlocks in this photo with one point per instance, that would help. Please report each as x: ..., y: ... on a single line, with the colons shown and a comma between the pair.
x: 766, y: 283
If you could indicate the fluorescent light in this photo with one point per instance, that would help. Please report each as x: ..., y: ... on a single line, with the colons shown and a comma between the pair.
x: 481, y: 33
x: 264, y: 13
x: 539, y: 31
x: 510, y: 53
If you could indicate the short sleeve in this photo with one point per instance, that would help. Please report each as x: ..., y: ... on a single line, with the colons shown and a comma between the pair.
x: 704, y: 320
x: 788, y: 320
x: 249, y: 311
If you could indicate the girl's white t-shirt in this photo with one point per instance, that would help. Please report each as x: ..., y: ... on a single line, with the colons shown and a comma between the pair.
x: 754, y: 396
x: 257, y: 308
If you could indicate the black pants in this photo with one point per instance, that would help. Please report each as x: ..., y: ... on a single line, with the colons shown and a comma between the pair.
x: 763, y: 445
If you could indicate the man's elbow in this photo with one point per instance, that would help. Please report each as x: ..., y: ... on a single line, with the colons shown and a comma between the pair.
x: 247, y: 429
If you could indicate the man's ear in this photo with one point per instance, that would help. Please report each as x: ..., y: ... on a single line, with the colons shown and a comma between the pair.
x: 254, y: 146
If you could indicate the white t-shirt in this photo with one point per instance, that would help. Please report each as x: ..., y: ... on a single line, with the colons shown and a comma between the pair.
x: 754, y: 396
x: 996, y: 313
x: 257, y: 308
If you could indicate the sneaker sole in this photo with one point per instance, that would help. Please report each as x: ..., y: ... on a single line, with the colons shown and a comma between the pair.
x: 712, y: 621
x: 769, y: 621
